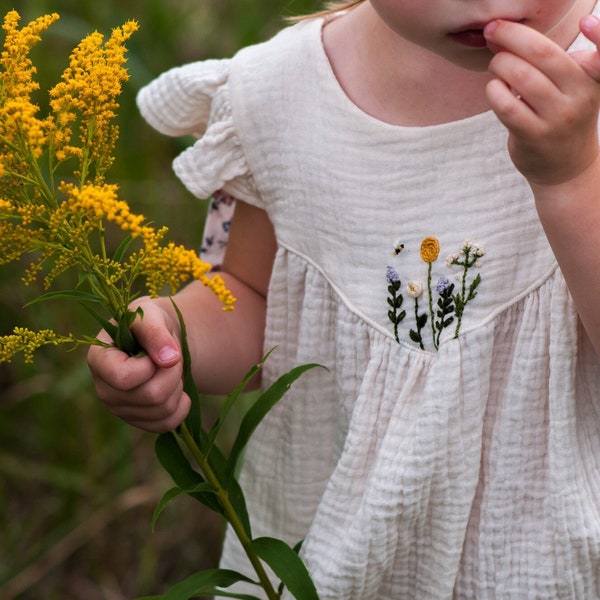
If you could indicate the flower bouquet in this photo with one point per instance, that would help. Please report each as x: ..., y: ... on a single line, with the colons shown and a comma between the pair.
x: 57, y: 210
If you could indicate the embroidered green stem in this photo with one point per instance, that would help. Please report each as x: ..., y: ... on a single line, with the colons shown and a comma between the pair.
x: 421, y: 321
x: 446, y: 307
x: 395, y: 300
x: 431, y: 314
x: 471, y: 255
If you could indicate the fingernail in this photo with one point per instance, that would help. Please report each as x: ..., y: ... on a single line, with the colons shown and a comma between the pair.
x: 167, y: 353
x: 490, y: 27
x: 589, y: 21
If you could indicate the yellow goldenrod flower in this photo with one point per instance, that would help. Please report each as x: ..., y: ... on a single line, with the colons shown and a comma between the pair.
x: 87, y: 93
x: 27, y: 342
x: 62, y: 225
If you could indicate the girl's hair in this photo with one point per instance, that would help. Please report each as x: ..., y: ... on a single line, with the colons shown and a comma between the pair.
x: 330, y: 8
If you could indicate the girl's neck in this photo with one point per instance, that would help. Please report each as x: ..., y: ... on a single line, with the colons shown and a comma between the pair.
x: 396, y: 81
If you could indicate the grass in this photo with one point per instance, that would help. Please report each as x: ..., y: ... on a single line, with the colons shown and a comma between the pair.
x: 78, y: 486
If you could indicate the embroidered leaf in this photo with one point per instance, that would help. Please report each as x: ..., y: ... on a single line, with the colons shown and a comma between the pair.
x: 414, y: 336
x: 474, y: 285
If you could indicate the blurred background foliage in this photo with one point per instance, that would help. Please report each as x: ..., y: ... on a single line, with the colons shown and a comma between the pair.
x: 77, y: 486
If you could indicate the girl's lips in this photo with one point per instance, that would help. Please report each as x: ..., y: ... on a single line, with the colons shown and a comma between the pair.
x: 472, y: 38
x: 472, y: 35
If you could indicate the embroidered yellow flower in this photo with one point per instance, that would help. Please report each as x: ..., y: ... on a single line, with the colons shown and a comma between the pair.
x: 430, y: 249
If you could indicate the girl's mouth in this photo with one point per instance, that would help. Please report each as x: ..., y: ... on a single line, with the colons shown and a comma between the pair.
x: 473, y: 38
x: 472, y: 35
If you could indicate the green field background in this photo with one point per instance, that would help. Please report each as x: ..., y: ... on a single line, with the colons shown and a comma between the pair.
x: 77, y: 486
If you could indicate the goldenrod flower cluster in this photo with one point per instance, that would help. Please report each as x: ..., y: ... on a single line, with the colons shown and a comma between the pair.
x: 172, y: 265
x: 87, y: 93
x: 19, y: 126
x: 27, y: 342
x: 62, y: 223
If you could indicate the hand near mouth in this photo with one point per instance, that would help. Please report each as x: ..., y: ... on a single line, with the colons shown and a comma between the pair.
x: 547, y: 99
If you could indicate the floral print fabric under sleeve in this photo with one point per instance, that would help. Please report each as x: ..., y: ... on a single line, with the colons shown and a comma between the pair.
x: 216, y: 228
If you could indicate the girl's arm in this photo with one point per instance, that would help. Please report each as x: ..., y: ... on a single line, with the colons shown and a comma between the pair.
x: 147, y: 391
x: 549, y: 102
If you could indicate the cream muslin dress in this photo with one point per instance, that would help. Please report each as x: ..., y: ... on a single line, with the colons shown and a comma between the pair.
x: 452, y: 448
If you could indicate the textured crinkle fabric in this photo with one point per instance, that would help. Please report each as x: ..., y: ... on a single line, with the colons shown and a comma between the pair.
x: 194, y: 100
x: 451, y: 449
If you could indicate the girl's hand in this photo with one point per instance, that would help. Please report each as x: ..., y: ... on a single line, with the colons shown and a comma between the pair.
x: 147, y: 391
x: 547, y: 99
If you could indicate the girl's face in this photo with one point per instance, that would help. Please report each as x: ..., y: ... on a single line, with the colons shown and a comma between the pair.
x: 453, y: 29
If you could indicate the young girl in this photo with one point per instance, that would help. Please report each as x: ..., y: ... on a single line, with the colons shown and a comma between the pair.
x: 418, y: 209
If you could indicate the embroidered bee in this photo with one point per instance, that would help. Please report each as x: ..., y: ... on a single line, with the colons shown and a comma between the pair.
x: 398, y: 247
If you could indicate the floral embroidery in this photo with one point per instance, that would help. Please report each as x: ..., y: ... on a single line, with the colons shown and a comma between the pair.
x: 445, y: 304
x: 395, y: 300
x: 469, y: 256
x: 430, y: 249
x: 415, y: 290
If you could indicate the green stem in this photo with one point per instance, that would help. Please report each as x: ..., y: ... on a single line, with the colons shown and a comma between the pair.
x: 230, y: 513
x: 431, y: 315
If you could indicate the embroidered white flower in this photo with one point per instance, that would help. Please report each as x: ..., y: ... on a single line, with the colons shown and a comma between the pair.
x: 451, y: 259
x: 414, y: 289
x: 473, y: 248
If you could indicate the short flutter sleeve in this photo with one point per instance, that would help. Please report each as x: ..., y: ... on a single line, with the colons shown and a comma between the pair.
x: 194, y: 100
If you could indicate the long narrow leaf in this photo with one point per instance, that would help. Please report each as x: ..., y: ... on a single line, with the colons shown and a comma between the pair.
x: 288, y: 566
x: 194, y: 418
x: 218, y: 464
x: 205, y: 582
x: 175, y: 462
x: 232, y: 398
x: 228, y: 405
x: 263, y: 404
x: 72, y: 294
x: 122, y: 248
x: 109, y: 327
x: 166, y: 498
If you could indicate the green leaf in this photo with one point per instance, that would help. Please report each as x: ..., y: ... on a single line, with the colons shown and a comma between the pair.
x: 194, y: 418
x: 72, y: 294
x: 124, y: 338
x: 166, y: 498
x: 122, y: 249
x: 109, y: 327
x: 218, y: 464
x: 414, y: 336
x: 263, y: 404
x: 174, y: 461
x: 287, y: 565
x: 231, y: 399
x: 205, y: 582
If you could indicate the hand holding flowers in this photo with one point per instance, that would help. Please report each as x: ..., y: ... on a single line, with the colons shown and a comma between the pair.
x: 57, y: 209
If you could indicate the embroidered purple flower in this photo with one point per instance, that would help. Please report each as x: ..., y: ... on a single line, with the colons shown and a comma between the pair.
x: 395, y: 299
x: 442, y: 285
x: 392, y: 275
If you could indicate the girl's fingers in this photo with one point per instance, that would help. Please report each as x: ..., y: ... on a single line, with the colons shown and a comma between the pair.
x: 525, y: 82
x: 512, y: 110
x: 590, y: 61
x: 535, y: 49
